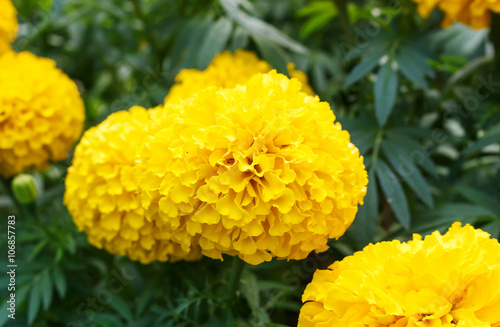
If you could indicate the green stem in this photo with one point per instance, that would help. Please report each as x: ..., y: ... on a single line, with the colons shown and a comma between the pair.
x: 344, y: 19
x: 376, y: 149
x: 236, y: 270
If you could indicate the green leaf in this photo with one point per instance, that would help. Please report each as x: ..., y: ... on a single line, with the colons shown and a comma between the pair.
x: 414, y: 55
x: 493, y: 228
x: 47, y: 289
x: 272, y: 54
x: 239, y: 39
x: 121, y: 307
x: 479, y: 198
x: 409, y: 69
x: 60, y: 281
x: 364, y: 67
x: 261, y: 29
x: 365, y: 225
x: 411, y: 150
x: 143, y: 300
x: 316, y: 23
x: 447, y: 214
x: 482, y: 142
x: 214, y: 41
x: 409, y: 173
x: 34, y: 303
x: 394, y: 193
x: 385, y: 89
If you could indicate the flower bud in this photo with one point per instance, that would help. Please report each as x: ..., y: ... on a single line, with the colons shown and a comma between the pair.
x: 24, y: 188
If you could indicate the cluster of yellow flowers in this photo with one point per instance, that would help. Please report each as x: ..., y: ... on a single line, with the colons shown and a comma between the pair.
x: 442, y: 280
x: 8, y: 25
x: 101, y: 192
x: 41, y: 112
x: 257, y: 169
x: 226, y: 71
x: 476, y: 14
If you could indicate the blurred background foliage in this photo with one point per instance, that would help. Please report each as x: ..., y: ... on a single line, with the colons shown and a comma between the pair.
x: 420, y: 102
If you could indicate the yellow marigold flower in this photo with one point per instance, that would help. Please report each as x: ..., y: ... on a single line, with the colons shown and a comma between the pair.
x: 442, y: 280
x: 226, y: 71
x: 475, y: 13
x: 8, y: 25
x: 101, y: 191
x: 259, y: 171
x: 41, y: 113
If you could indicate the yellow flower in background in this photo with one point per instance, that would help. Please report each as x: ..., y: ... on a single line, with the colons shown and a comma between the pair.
x: 226, y: 71
x: 259, y: 171
x: 442, y: 280
x: 8, y: 25
x: 475, y: 13
x: 101, y: 192
x: 41, y: 113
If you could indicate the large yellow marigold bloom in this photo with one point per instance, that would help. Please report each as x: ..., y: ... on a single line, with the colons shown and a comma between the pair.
x: 442, y: 280
x: 101, y: 192
x: 8, y: 25
x: 226, y: 71
x: 41, y: 113
x: 475, y: 13
x: 259, y: 171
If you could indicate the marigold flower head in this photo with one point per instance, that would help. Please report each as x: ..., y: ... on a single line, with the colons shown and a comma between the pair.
x: 442, y: 280
x: 475, y: 13
x: 101, y: 191
x: 41, y: 113
x: 8, y: 25
x: 226, y: 71
x: 259, y: 171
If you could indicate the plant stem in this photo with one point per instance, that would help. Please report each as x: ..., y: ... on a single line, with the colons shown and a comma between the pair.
x: 494, y: 37
x: 236, y: 270
x: 344, y: 19
x: 376, y: 149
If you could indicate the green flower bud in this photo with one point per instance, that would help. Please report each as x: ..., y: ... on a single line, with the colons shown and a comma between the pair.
x: 24, y: 188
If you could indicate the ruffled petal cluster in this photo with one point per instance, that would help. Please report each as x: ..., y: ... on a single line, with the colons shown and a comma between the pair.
x: 442, y: 280
x: 474, y: 13
x: 8, y: 25
x: 101, y: 191
x: 227, y: 70
x: 259, y: 171
x: 41, y: 113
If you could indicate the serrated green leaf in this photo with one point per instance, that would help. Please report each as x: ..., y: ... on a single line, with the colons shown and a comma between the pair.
x: 409, y: 172
x: 447, y: 214
x: 239, y: 40
x: 121, y: 307
x: 143, y: 300
x: 419, y: 60
x: 480, y: 198
x: 409, y: 69
x: 393, y: 192
x: 214, y: 41
x: 493, y: 228
x: 316, y: 23
x: 34, y: 303
x: 365, y: 224
x: 411, y: 150
x: 59, y: 281
x: 261, y: 29
x: 272, y: 54
x: 385, y: 89
x: 364, y: 67
x: 47, y: 289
